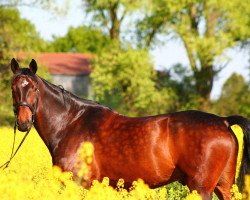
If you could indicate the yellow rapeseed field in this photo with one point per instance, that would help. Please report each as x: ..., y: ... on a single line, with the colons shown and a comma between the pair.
x: 31, y: 176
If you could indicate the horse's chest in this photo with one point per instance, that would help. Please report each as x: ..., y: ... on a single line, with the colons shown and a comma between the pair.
x: 67, y: 163
x: 66, y: 154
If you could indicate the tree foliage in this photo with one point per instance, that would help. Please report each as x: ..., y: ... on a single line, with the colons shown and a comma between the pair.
x: 181, y: 81
x: 234, y: 98
x: 206, y: 28
x: 16, y: 34
x: 126, y: 82
x: 110, y: 14
x: 80, y: 39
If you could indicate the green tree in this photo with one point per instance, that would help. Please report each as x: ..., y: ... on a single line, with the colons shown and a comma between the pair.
x: 234, y: 98
x: 110, y: 14
x: 80, y: 39
x: 16, y: 34
x: 180, y: 79
x: 125, y: 80
x: 206, y: 28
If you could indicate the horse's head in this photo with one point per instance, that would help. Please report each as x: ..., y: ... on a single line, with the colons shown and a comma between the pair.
x: 24, y: 93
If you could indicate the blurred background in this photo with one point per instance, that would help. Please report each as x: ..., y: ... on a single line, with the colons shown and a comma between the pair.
x: 138, y: 57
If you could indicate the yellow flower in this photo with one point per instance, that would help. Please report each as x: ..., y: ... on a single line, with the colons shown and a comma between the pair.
x: 236, y: 195
x: 193, y: 196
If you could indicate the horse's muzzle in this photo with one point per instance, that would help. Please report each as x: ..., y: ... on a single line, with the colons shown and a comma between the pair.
x: 23, y: 127
x: 24, y: 118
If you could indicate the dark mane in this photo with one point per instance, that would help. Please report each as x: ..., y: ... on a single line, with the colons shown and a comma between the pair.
x: 70, y: 96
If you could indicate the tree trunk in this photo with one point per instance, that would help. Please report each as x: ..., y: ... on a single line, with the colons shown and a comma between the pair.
x: 115, y: 23
x: 204, y: 78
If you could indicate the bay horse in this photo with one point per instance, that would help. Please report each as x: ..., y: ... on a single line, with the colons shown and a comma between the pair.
x: 196, y: 148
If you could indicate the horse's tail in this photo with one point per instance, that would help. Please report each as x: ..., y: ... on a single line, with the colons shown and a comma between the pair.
x: 244, y: 123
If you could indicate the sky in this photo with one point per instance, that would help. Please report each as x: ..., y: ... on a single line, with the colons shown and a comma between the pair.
x: 164, y: 56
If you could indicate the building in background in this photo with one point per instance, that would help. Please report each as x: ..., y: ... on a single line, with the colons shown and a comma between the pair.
x: 70, y: 70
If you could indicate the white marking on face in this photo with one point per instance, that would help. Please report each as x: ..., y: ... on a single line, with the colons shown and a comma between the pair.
x: 24, y: 83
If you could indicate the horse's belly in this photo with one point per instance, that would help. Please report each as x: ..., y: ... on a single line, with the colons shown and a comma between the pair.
x: 155, y: 169
x: 149, y: 174
x: 140, y: 152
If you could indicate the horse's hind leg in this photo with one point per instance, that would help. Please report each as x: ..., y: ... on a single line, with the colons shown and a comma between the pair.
x: 226, y: 180
x: 223, y: 187
x: 225, y: 183
x: 219, y: 181
x: 194, y: 184
x: 223, y: 192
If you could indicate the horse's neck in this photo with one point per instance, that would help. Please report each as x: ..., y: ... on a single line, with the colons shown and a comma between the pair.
x: 52, y: 115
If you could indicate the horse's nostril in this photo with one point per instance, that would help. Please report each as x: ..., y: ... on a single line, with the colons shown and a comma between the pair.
x: 23, y: 126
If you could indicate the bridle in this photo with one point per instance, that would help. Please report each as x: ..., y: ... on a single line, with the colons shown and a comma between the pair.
x: 25, y: 103
x: 15, y: 109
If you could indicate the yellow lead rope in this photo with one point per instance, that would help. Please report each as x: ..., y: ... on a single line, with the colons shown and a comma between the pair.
x: 240, y: 138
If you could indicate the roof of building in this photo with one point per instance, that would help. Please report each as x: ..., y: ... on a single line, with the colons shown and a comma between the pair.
x: 63, y: 63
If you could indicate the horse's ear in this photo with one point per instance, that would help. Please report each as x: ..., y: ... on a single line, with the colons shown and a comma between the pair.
x: 33, y: 66
x: 14, y: 65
